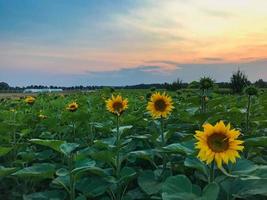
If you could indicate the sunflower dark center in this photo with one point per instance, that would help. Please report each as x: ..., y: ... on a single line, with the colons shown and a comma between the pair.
x: 218, y: 142
x: 117, y: 106
x: 160, y: 105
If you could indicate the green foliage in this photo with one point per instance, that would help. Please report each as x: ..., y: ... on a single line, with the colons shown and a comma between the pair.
x: 180, y: 188
x: 206, y: 83
x: 239, y: 81
x: 4, y: 86
x: 76, y: 155
x: 251, y: 91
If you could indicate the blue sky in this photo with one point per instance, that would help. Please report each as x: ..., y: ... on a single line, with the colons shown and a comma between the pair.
x: 124, y: 42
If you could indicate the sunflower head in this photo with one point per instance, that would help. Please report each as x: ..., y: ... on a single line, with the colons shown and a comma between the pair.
x: 116, y: 105
x: 218, y: 143
x: 251, y: 91
x: 72, y: 107
x: 160, y: 105
x: 41, y: 116
x: 30, y: 100
x: 142, y: 98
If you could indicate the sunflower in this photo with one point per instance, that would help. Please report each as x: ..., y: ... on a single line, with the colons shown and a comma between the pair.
x: 72, y: 107
x: 30, y: 100
x: 160, y: 105
x: 41, y: 116
x: 116, y: 104
x: 218, y: 143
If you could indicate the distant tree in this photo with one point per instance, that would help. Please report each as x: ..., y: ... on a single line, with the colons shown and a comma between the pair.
x: 206, y: 83
x: 193, y: 85
x: 239, y: 81
x: 4, y: 86
x: 260, y: 83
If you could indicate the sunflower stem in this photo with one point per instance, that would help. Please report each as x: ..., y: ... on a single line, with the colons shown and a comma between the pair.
x: 163, y: 144
x: 248, y: 113
x: 118, y: 147
x: 162, y: 131
x: 72, y: 178
x: 212, y: 169
x: 118, y: 163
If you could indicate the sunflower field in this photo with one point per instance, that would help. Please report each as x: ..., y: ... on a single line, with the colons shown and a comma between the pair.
x: 134, y: 145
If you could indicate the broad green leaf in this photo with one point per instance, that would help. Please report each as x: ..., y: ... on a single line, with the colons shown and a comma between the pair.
x: 92, y: 186
x: 148, y: 183
x: 83, y: 165
x: 42, y: 171
x: 178, y: 148
x: 62, y: 181
x: 126, y: 174
x: 68, y: 148
x: 256, y: 141
x: 4, y: 150
x: 180, y: 188
x: 47, y: 195
x: 141, y: 154
x: 53, y: 144
x: 177, y: 184
x: 5, y: 171
x: 211, y: 191
x: 196, y: 164
x: 62, y: 172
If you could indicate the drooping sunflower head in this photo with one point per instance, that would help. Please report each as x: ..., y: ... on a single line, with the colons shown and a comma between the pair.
x: 116, y: 104
x: 160, y: 105
x: 72, y: 107
x: 30, y: 100
x: 218, y: 143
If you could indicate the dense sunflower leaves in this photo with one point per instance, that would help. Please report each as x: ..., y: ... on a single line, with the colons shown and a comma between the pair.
x: 38, y: 171
x: 180, y: 188
x: 4, y: 150
x: 179, y: 148
x: 46, y: 195
x: 5, y: 171
x: 244, y: 180
x: 40, y: 168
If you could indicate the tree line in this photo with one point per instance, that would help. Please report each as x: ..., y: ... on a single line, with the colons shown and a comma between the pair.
x: 237, y: 83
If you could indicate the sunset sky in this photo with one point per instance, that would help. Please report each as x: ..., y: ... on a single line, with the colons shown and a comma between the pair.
x: 125, y: 42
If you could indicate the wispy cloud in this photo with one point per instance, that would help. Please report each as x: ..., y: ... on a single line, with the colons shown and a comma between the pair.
x: 218, y: 13
x: 160, y: 40
x: 213, y: 59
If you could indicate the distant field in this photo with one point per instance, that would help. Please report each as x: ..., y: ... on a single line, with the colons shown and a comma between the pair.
x: 21, y: 94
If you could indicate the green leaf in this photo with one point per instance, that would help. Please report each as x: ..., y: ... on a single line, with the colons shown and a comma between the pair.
x: 68, y: 148
x: 53, y: 144
x: 4, y: 150
x: 256, y: 141
x: 180, y: 188
x: 177, y: 184
x: 62, y: 172
x: 122, y: 128
x: 83, y: 165
x: 92, y: 186
x: 42, y: 171
x: 142, y: 154
x: 47, y: 195
x: 62, y: 181
x: 148, y: 182
x: 5, y: 171
x: 211, y: 191
x: 178, y: 148
x: 126, y: 174
x: 196, y: 164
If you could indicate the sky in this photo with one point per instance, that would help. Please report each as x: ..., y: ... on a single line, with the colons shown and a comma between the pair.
x: 127, y: 42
